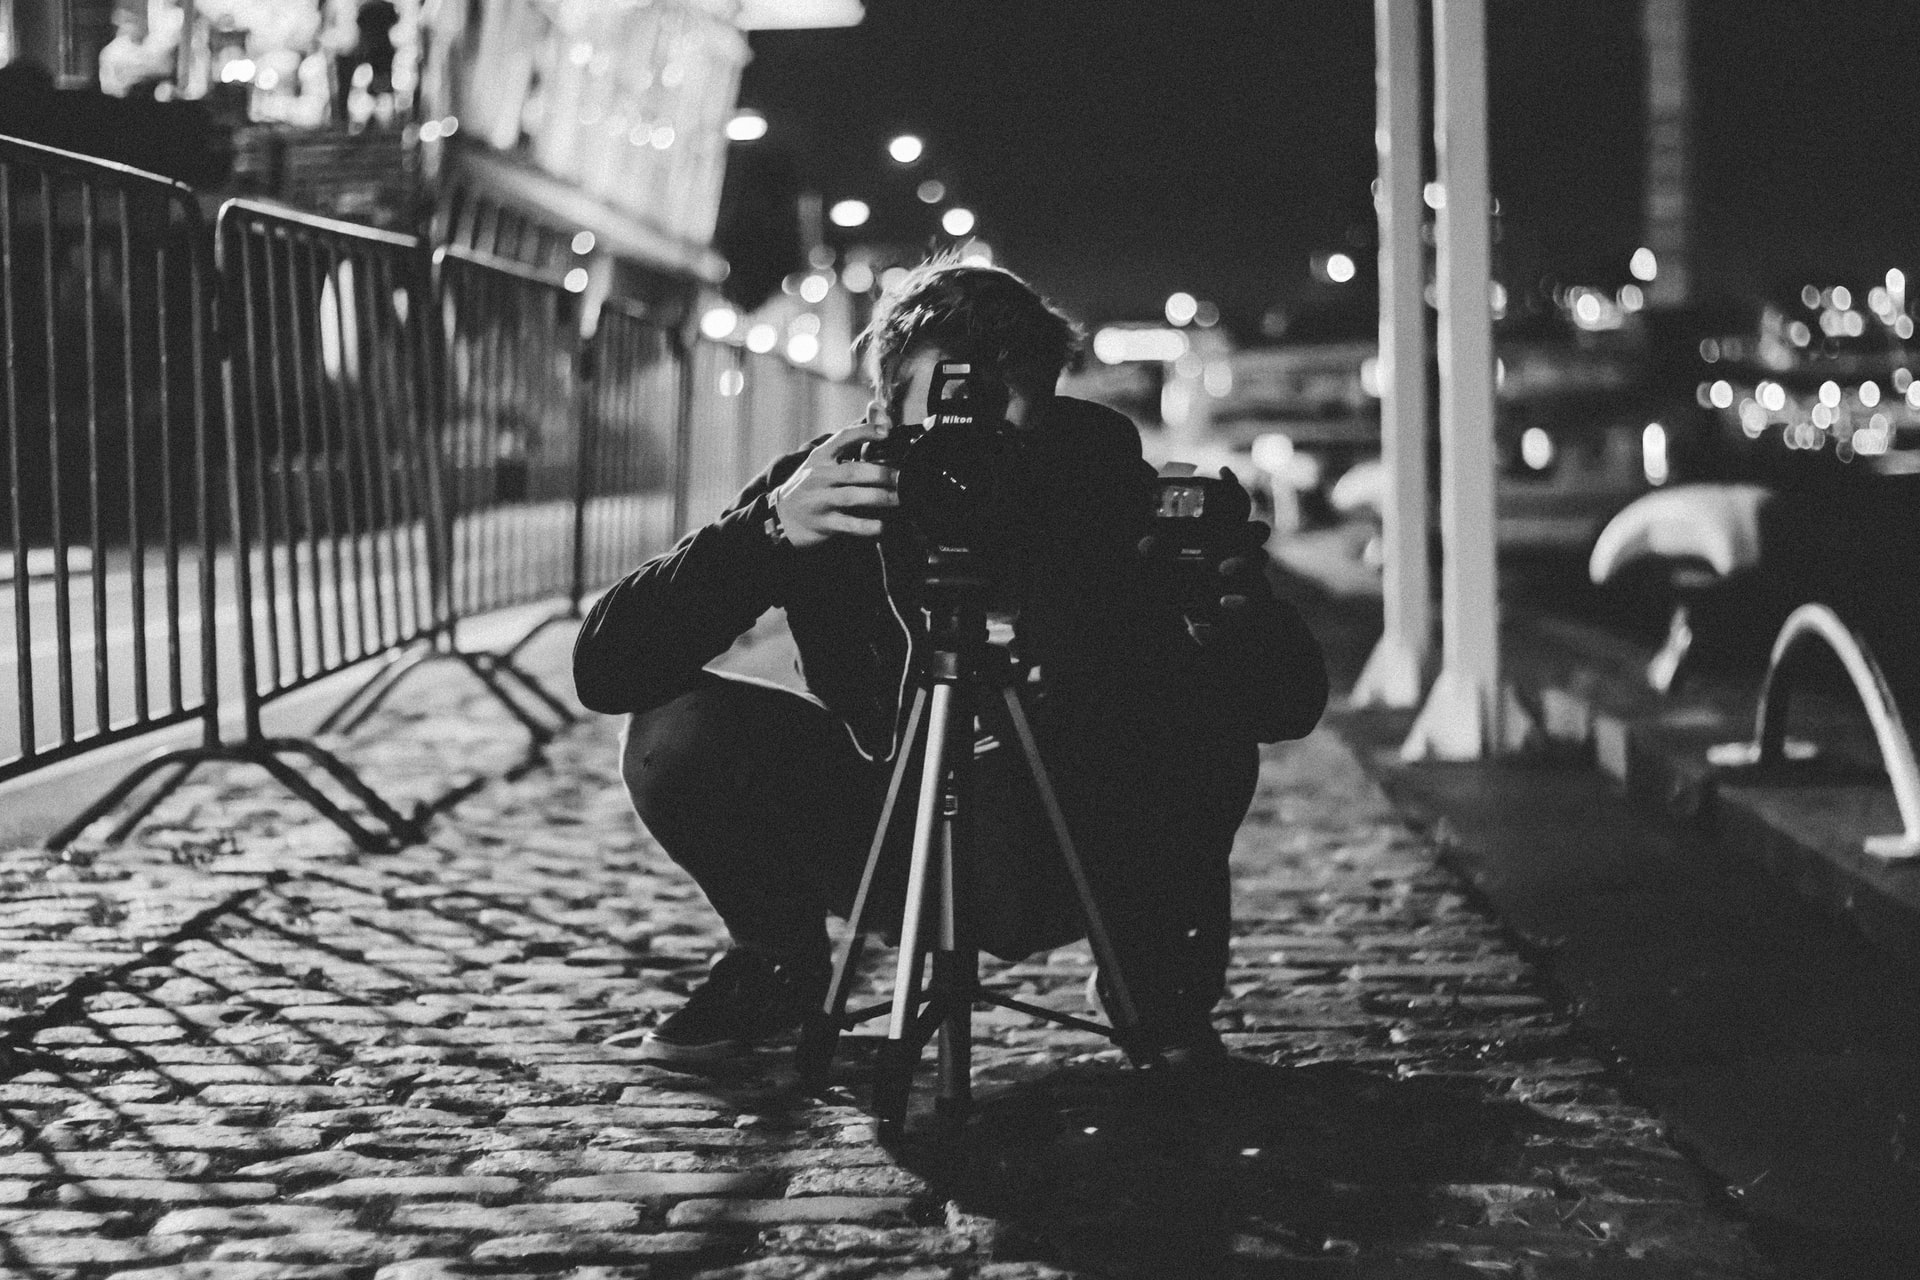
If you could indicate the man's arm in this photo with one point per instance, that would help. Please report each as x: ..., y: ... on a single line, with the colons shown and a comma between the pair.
x: 647, y: 636
x: 1262, y: 666
x: 669, y: 618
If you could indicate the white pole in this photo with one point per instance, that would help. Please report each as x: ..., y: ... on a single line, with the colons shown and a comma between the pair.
x: 1393, y: 674
x: 1461, y: 718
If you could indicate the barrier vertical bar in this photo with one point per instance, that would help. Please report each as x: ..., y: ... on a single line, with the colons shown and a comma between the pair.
x: 62, y: 602
x: 22, y: 598
x: 136, y: 543
x: 176, y: 647
x: 1392, y: 676
x: 250, y: 321
x: 96, y: 537
x: 292, y: 453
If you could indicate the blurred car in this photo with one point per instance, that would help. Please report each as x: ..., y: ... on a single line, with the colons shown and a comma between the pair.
x: 1585, y: 423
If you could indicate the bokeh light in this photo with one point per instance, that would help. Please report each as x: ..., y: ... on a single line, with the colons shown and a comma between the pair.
x: 747, y: 126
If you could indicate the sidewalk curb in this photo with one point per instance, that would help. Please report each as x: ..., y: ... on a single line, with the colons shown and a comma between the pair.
x: 1803, y: 824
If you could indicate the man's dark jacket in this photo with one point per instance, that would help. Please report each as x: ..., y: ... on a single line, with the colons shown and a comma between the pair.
x: 1099, y: 620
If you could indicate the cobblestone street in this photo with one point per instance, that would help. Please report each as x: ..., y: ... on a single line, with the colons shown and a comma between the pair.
x: 239, y: 1048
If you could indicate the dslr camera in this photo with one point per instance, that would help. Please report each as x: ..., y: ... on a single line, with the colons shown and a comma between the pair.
x: 958, y: 470
x: 1198, y: 521
x: 964, y: 495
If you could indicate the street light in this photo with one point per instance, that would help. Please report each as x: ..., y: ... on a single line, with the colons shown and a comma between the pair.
x: 849, y: 213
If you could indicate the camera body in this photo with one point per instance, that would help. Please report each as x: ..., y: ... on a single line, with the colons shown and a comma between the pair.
x: 1197, y: 522
x: 957, y: 469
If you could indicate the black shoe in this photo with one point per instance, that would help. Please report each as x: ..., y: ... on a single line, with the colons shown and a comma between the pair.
x: 746, y: 1000
x: 1184, y: 1041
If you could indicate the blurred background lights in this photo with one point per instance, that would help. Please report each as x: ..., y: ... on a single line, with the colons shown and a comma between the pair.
x: 583, y: 242
x: 1182, y: 308
x: 1653, y: 453
x: 1830, y: 394
x: 814, y: 288
x: 1772, y: 396
x: 905, y: 148
x: 762, y: 338
x: 575, y: 280
x: 1435, y: 195
x: 805, y: 322
x: 802, y: 348
x: 858, y: 277
x: 1721, y: 394
x: 957, y: 221
x: 892, y: 276
x: 719, y: 322
x: 1869, y: 394
x: 1644, y: 266
x: 849, y: 213
x: 747, y: 126
x: 1536, y: 449
x: 1115, y: 345
x: 1340, y: 268
x: 732, y: 382
x: 932, y: 191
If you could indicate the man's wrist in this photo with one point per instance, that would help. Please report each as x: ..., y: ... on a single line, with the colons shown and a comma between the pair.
x: 771, y: 526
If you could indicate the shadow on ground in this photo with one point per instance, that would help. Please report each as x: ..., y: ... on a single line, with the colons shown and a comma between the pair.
x: 1254, y: 1171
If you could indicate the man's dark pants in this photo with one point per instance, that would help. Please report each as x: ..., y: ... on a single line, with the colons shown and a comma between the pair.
x: 758, y: 793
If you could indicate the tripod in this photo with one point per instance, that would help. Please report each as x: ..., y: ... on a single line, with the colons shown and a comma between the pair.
x: 936, y: 979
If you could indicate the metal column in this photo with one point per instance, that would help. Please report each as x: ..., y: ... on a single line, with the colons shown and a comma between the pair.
x: 1461, y: 718
x: 1393, y: 674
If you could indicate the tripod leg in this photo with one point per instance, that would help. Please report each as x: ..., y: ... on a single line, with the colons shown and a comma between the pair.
x: 1124, y: 1015
x: 956, y: 975
x: 894, y: 1076
x: 821, y: 1032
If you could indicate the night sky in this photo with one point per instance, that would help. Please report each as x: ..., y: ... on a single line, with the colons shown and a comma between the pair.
x: 1117, y: 150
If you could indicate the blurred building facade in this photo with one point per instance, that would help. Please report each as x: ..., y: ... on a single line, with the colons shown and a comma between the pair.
x: 572, y: 135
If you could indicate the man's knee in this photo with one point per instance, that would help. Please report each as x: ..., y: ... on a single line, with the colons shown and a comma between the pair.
x: 681, y: 750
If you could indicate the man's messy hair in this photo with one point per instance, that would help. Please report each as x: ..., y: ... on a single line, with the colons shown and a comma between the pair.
x: 973, y: 312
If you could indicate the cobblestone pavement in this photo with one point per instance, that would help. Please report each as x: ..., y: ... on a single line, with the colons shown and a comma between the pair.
x: 240, y: 1048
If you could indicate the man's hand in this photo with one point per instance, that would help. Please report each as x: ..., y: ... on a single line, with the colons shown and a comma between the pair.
x: 1243, y: 570
x: 827, y: 497
x: 1218, y: 595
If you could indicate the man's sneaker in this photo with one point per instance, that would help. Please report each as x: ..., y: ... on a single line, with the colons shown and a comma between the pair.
x: 746, y: 1000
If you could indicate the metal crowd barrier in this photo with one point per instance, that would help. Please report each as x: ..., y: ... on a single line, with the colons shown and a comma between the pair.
x: 245, y: 459
x: 332, y: 538
x: 629, y: 504
x: 106, y: 383
x: 508, y: 445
